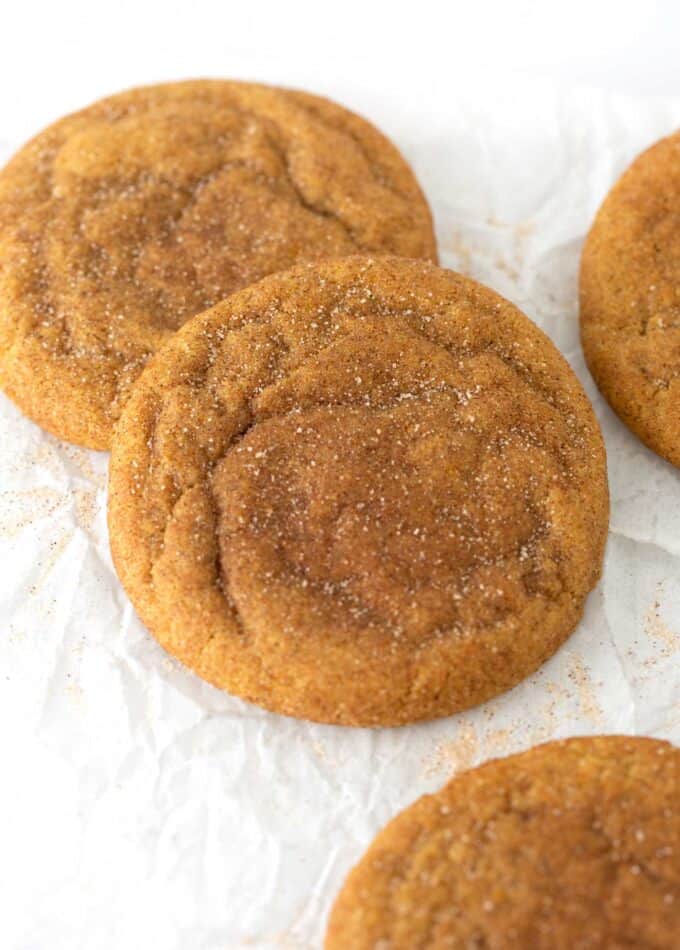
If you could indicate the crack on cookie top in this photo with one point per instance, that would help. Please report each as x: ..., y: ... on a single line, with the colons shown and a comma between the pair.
x: 508, y: 446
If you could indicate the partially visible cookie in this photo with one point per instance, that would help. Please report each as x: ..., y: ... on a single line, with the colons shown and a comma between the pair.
x: 630, y: 298
x: 362, y: 492
x: 570, y: 845
x: 120, y: 222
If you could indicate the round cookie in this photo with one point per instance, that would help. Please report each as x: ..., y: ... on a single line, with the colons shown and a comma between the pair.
x: 362, y: 492
x: 121, y: 221
x: 570, y: 845
x: 630, y: 298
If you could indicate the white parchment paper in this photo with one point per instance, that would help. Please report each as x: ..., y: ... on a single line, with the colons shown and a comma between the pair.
x: 142, y: 808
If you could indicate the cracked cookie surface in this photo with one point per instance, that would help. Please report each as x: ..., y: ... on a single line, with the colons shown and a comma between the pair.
x: 365, y: 491
x: 121, y: 221
x: 630, y: 298
x: 573, y: 844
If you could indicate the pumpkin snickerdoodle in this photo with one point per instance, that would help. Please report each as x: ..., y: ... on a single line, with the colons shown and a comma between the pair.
x: 121, y: 221
x: 570, y: 845
x: 630, y: 298
x: 362, y: 492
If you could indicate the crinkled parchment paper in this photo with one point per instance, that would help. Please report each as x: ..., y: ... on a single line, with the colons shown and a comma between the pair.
x: 142, y: 808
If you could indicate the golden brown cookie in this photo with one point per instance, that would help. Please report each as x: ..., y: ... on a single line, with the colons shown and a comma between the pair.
x: 362, y: 492
x: 570, y: 845
x: 630, y: 298
x: 121, y: 221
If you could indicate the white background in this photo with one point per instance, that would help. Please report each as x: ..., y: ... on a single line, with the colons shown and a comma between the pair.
x: 140, y: 808
x: 58, y: 56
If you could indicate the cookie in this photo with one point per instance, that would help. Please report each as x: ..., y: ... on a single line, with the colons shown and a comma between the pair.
x: 570, y: 845
x: 362, y: 492
x: 630, y: 298
x: 120, y: 222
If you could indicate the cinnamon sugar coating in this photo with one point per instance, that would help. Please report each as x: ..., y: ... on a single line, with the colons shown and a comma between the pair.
x: 361, y: 492
x: 568, y: 846
x: 630, y: 298
x: 121, y: 221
